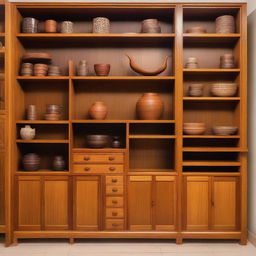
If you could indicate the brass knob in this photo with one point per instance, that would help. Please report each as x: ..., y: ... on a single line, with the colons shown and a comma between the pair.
x: 111, y: 158
x: 114, y: 189
x: 87, y: 169
x: 112, y: 168
x: 114, y: 213
x: 114, y: 201
x: 86, y: 158
x: 114, y: 180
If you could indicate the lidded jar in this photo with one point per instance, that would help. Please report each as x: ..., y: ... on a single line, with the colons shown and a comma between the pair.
x: 58, y: 163
x: 150, y: 106
x: 98, y: 110
x: 27, y: 133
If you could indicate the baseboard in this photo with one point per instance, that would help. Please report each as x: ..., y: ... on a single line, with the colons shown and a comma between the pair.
x: 252, y: 238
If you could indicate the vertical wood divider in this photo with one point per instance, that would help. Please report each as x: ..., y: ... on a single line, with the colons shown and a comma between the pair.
x: 179, y: 112
x: 243, y: 122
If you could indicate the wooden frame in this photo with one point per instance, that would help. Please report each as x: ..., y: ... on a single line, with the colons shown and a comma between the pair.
x: 71, y: 88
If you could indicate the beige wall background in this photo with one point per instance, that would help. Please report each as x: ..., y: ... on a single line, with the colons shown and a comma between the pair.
x: 251, y: 93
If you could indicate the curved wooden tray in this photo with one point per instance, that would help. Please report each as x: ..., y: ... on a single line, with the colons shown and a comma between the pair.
x: 37, y: 56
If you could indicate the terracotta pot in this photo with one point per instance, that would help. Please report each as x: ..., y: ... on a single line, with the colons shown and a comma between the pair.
x: 31, y: 162
x: 102, y: 69
x: 50, y: 26
x: 150, y: 107
x: 98, y: 110
x: 27, y: 133
x: 58, y: 163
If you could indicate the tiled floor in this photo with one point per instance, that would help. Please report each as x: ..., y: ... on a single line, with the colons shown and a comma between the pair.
x: 127, y: 248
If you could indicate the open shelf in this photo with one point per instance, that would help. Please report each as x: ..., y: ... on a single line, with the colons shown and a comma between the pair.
x: 39, y: 78
x: 146, y: 136
x: 123, y: 78
x: 210, y: 70
x: 211, y: 163
x: 211, y: 98
x: 212, y: 149
x: 41, y: 122
x: 42, y: 141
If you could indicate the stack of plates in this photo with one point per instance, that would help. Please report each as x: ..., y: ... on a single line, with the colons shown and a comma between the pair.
x: 225, y: 24
x: 151, y: 26
x: 192, y: 62
x: 29, y: 25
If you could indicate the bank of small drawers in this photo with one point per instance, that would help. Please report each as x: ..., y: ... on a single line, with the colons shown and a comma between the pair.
x: 114, y: 212
x: 98, y: 163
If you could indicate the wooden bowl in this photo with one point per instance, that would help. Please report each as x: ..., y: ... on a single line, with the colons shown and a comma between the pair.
x: 97, y: 141
x: 224, y: 130
x: 224, y: 89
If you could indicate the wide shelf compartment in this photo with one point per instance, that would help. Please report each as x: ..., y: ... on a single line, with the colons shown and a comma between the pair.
x: 151, y: 155
x: 39, y: 94
x: 211, y: 169
x: 46, y: 152
x: 112, y: 130
x: 147, y: 129
x: 120, y: 99
x: 211, y: 156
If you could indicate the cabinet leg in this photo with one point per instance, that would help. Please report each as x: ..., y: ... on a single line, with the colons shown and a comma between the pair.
x: 243, y: 241
x: 71, y: 241
x: 15, y: 241
x: 179, y: 240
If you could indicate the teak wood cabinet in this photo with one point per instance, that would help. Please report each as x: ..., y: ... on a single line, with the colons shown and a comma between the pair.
x: 160, y: 183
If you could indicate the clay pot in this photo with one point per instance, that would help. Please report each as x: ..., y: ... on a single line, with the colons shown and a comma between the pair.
x: 101, y: 25
x: 102, y: 69
x: 31, y: 112
x: 27, y: 133
x: 150, y: 107
x: 58, y: 163
x: 116, y: 143
x: 82, y: 69
x: 50, y: 26
x: 31, y: 162
x: 224, y: 130
x: 97, y: 141
x: 66, y: 27
x: 98, y: 110
x: 194, y: 128
x: 224, y: 89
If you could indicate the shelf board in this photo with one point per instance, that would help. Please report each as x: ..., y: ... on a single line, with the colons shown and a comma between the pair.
x: 145, y: 136
x: 36, y: 78
x: 210, y: 70
x: 42, y: 141
x: 210, y: 37
x: 151, y: 171
x: 211, y: 137
x: 211, y: 173
x: 211, y: 163
x: 42, y: 172
x: 121, y: 121
x: 41, y: 122
x: 81, y: 78
x: 99, y: 150
x: 211, y: 98
x: 212, y: 149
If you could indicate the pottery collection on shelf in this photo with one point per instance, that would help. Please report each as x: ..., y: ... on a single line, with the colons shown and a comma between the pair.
x: 58, y: 163
x: 27, y: 133
x: 101, y: 25
x: 150, y: 107
x: 98, y: 111
x: 31, y: 162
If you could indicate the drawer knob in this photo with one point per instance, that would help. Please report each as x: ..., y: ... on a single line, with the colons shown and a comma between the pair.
x: 86, y: 158
x: 114, y: 180
x: 87, y: 169
x: 114, y: 213
x: 114, y: 189
x: 115, y: 224
x: 111, y: 158
x: 114, y: 201
x: 112, y: 168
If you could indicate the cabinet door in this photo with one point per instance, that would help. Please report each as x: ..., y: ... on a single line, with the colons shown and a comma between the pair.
x: 225, y: 203
x: 165, y: 202
x: 196, y: 194
x: 29, y: 203
x: 140, y: 203
x: 56, y: 203
x: 87, y: 203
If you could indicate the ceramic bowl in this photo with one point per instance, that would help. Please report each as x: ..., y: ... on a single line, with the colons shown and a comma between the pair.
x: 224, y: 130
x: 224, y: 89
x: 194, y: 128
x: 102, y: 69
x: 97, y: 140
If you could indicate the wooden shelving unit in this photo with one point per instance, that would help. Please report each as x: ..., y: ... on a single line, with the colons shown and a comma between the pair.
x: 160, y: 183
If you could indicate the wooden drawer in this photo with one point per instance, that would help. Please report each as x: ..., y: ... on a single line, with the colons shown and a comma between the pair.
x: 114, y: 180
x: 114, y: 201
x: 114, y: 213
x: 98, y: 158
x: 114, y: 224
x: 114, y: 190
x: 98, y: 168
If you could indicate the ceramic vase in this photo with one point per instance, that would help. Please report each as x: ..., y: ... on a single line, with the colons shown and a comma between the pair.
x: 116, y: 143
x: 82, y: 69
x: 58, y: 163
x: 150, y: 107
x: 27, y: 133
x: 98, y: 110
x: 31, y: 162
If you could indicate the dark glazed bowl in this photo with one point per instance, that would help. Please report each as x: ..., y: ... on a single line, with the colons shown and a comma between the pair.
x: 97, y: 141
